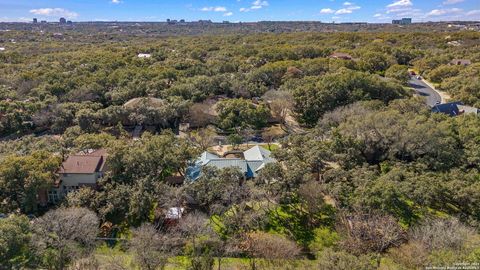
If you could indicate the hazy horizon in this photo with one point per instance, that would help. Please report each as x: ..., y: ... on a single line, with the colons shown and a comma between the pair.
x: 382, y: 11
x: 233, y: 22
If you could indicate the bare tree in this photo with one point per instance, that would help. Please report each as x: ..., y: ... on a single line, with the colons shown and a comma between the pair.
x: 370, y: 232
x: 341, y: 260
x: 312, y: 195
x: 442, y: 234
x: 193, y: 227
x: 411, y: 255
x: 246, y: 134
x: 204, y: 137
x: 201, y: 115
x: 70, y: 232
x: 151, y: 248
x: 88, y: 263
x: 270, y: 134
x: 115, y: 262
x: 280, y: 103
x: 270, y: 247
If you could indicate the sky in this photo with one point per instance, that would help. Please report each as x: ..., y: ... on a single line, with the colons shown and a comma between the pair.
x: 240, y: 10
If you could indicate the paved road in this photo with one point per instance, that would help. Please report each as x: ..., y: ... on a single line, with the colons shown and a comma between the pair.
x: 432, y: 97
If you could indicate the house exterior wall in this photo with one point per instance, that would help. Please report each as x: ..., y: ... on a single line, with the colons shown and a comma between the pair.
x: 78, y: 179
x: 71, y: 182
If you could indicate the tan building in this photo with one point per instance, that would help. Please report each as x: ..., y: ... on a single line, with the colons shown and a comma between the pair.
x: 78, y: 171
x: 343, y: 56
x: 460, y: 62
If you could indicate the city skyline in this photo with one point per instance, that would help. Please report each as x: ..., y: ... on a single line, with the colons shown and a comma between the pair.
x: 240, y: 10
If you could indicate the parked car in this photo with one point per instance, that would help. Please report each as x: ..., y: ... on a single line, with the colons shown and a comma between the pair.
x: 257, y: 138
x: 413, y: 73
x: 419, y: 77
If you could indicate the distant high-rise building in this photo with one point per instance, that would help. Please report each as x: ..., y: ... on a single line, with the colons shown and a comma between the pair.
x: 63, y: 20
x: 403, y: 21
x: 35, y: 20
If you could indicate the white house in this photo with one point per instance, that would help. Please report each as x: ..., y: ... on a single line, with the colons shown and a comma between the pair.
x: 144, y: 55
x: 251, y: 162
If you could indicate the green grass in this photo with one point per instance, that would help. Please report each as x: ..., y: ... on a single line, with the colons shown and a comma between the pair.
x: 272, y: 147
x: 243, y: 147
x: 106, y: 256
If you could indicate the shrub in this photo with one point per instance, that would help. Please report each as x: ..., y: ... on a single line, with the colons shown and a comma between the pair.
x: 340, y: 260
x: 324, y: 238
x: 442, y: 234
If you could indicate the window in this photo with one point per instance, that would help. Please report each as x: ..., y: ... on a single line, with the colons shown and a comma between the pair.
x: 52, y: 196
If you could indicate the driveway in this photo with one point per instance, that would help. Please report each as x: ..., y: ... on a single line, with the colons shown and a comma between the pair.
x: 424, y: 90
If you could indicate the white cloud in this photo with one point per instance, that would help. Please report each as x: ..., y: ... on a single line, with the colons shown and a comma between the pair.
x: 402, y: 7
x: 220, y: 9
x: 54, y: 12
x: 257, y: 4
x: 452, y: 2
x: 440, y: 12
x: 436, y: 12
x: 343, y: 11
x: 381, y: 17
x: 410, y: 12
x: 261, y: 3
x: 473, y: 12
x: 349, y: 7
x: 327, y: 11
x: 400, y: 3
x: 228, y: 14
x: 115, y: 1
x: 215, y: 9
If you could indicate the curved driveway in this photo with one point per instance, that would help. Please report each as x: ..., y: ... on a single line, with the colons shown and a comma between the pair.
x: 422, y: 89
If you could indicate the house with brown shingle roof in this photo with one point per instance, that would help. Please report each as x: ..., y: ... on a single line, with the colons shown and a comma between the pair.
x: 77, y: 171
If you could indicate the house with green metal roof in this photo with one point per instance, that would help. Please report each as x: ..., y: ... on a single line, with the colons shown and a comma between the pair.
x: 250, y: 162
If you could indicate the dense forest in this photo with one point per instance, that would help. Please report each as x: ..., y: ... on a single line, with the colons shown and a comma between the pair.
x: 368, y: 177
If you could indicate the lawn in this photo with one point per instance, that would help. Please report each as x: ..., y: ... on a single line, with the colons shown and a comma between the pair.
x: 115, y: 258
x: 243, y: 147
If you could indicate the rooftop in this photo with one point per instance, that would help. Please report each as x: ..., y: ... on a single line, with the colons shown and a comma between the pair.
x: 464, y: 62
x: 341, y: 55
x: 454, y: 109
x: 254, y: 160
x: 84, y: 164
